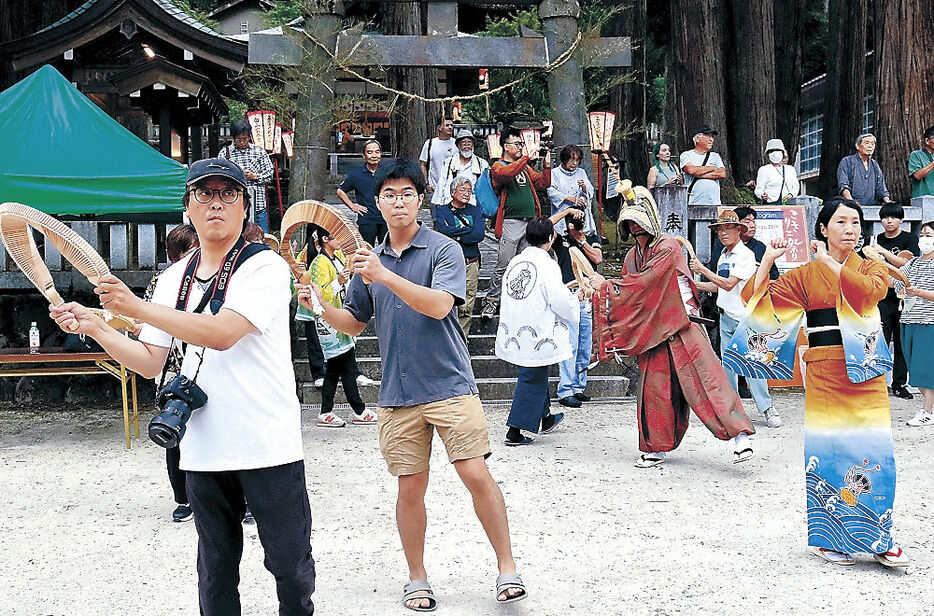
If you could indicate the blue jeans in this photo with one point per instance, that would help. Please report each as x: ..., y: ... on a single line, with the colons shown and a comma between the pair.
x: 573, y: 372
x: 758, y: 387
x: 261, y: 217
x: 530, y: 401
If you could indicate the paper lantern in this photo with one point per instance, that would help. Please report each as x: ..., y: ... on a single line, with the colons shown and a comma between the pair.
x: 601, y: 124
x: 269, y: 130
x: 493, y: 148
x: 532, y: 139
x: 288, y: 141
x: 255, y: 118
x: 277, y: 140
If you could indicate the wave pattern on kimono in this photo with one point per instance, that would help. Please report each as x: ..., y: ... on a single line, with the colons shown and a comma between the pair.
x: 679, y: 368
x: 848, y: 448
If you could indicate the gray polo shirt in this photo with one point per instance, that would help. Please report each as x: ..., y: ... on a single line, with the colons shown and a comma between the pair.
x: 424, y: 359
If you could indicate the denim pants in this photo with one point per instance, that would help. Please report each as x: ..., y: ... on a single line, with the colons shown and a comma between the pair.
x: 573, y: 372
x: 279, y: 502
x: 262, y: 219
x: 530, y: 401
x: 758, y: 387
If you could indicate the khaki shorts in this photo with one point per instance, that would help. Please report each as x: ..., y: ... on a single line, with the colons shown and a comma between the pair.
x: 405, y: 432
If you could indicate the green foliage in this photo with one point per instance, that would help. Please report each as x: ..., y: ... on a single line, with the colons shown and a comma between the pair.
x: 199, y: 11
x: 815, y: 41
x: 283, y: 12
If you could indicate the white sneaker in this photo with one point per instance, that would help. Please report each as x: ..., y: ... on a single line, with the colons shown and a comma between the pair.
x: 648, y: 460
x: 319, y: 382
x: 772, y: 418
x: 363, y: 380
x: 330, y: 420
x: 921, y: 419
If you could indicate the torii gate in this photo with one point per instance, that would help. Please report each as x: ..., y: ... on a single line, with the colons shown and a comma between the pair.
x: 442, y: 47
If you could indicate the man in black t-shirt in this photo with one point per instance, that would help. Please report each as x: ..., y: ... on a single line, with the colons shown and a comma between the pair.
x: 893, y: 241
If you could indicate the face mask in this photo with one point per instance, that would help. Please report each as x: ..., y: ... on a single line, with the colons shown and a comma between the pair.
x: 776, y: 156
x: 926, y: 244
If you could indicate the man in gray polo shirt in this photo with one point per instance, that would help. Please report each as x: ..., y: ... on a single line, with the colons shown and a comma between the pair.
x: 414, y: 280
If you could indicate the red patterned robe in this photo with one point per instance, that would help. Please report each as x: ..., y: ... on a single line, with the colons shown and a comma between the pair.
x: 679, y: 368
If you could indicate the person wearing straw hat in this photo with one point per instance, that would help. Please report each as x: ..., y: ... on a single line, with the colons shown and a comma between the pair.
x: 462, y: 163
x: 776, y: 182
x: 736, y: 265
x: 679, y: 369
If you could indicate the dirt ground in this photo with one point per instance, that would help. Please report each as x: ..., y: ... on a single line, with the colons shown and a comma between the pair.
x: 86, y: 530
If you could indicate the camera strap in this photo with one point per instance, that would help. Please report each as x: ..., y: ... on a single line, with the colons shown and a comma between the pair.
x: 240, y: 252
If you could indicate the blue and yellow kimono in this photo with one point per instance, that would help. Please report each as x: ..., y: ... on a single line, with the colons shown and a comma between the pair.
x: 848, y: 448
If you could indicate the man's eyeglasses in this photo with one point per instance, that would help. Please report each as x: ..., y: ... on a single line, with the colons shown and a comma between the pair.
x: 407, y: 198
x: 518, y: 144
x: 205, y: 195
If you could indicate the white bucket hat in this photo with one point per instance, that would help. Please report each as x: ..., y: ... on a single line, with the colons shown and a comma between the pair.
x: 775, y: 144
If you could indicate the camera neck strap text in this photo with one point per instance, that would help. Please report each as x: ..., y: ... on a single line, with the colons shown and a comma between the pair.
x: 240, y: 252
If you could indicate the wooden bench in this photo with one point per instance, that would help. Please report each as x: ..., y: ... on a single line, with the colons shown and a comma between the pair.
x: 55, y: 362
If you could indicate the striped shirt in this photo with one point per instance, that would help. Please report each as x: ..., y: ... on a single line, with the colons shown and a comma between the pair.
x: 255, y: 159
x: 917, y: 310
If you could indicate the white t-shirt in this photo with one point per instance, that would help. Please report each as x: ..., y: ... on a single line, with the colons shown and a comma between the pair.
x: 705, y: 191
x: 440, y: 152
x: 252, y: 418
x: 739, y: 262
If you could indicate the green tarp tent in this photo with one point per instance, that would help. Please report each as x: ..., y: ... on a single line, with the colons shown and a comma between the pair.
x: 60, y: 153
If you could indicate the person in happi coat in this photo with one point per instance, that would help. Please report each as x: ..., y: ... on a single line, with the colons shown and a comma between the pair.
x: 848, y: 449
x: 680, y: 370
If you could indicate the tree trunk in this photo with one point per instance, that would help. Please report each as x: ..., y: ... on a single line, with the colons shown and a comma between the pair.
x: 751, y: 103
x: 628, y: 100
x: 23, y: 17
x: 844, y: 89
x: 411, y: 121
x: 904, y: 105
x: 789, y: 72
x: 698, y: 82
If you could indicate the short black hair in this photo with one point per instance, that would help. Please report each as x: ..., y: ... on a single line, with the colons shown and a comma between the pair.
x: 929, y: 133
x: 240, y: 127
x: 179, y: 241
x: 539, y: 231
x: 743, y: 211
x: 570, y: 150
x: 506, y: 134
x: 894, y: 210
x: 399, y: 169
x: 829, y: 209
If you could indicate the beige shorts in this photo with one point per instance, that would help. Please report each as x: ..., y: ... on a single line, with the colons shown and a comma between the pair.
x: 405, y: 432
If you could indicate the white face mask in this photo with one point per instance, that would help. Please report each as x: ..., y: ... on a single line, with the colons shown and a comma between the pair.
x: 776, y: 156
x: 926, y: 244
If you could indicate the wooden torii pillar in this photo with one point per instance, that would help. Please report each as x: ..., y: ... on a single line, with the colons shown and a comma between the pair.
x: 442, y: 47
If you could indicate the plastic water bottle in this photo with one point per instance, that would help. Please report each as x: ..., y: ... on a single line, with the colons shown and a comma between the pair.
x: 33, y: 338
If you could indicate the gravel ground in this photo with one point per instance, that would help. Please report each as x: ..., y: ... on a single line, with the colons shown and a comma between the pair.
x: 85, y: 526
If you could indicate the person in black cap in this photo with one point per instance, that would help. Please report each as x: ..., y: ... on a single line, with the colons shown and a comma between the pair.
x: 702, y: 168
x: 245, y: 442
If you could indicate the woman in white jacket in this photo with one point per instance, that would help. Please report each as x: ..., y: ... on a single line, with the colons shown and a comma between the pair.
x: 535, y: 310
x: 776, y: 182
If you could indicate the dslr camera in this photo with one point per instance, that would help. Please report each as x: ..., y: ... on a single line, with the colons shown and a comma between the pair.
x: 176, y: 400
x: 575, y: 223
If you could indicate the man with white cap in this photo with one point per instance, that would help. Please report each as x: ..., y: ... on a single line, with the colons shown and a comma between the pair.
x: 463, y: 163
x: 702, y: 168
x: 736, y: 265
x: 776, y: 182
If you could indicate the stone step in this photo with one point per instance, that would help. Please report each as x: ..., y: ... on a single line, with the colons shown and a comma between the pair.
x: 484, y: 366
x: 492, y: 390
x: 368, y: 346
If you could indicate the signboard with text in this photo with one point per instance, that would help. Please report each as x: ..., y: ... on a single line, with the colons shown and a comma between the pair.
x: 788, y: 222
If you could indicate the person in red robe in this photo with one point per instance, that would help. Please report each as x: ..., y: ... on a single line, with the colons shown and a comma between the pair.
x: 654, y: 298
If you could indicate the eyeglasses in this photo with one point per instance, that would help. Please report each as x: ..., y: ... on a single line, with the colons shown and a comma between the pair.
x: 463, y: 188
x: 518, y: 144
x: 407, y: 198
x: 205, y: 195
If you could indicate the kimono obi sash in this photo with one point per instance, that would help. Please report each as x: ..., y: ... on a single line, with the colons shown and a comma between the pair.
x: 823, y: 328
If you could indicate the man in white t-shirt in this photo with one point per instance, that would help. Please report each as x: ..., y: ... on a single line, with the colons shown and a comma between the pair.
x: 434, y: 152
x: 464, y: 163
x: 245, y: 442
x: 736, y: 265
x: 703, y: 169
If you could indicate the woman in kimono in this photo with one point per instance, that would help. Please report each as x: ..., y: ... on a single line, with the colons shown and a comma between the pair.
x: 848, y: 448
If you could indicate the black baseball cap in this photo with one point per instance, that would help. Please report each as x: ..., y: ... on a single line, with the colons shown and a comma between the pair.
x: 703, y: 129
x: 215, y: 167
